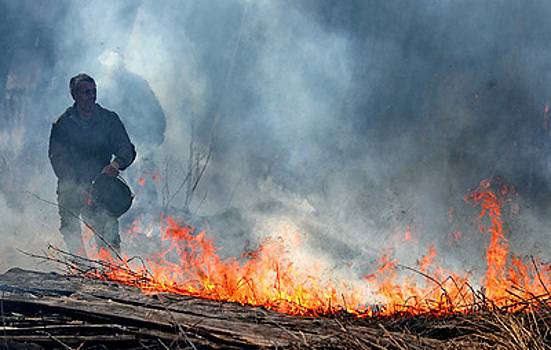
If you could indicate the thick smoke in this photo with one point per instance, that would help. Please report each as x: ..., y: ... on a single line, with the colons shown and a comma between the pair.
x: 350, y: 121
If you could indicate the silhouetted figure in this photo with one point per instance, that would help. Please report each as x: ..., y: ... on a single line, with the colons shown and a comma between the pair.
x: 138, y: 107
x: 83, y: 142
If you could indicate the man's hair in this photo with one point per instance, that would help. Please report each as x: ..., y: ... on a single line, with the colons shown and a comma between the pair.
x: 73, y: 83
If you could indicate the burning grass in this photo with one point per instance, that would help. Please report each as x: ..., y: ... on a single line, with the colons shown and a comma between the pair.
x: 51, y: 311
x: 269, y: 276
x: 429, y: 308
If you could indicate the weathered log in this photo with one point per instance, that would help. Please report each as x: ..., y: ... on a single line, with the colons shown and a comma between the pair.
x: 107, y: 312
x: 55, y: 311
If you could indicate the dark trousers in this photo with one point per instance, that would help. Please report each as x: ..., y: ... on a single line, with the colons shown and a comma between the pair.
x: 74, y: 210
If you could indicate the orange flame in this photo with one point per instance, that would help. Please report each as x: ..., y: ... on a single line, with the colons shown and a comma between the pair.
x: 270, y: 277
x: 498, y: 249
x: 189, y: 265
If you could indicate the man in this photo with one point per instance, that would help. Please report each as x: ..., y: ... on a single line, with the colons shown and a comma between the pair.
x: 83, y: 142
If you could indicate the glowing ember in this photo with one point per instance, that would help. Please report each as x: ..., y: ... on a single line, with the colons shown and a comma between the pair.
x: 407, y: 235
x: 269, y: 276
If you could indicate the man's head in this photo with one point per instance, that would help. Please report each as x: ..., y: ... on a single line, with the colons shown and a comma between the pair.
x: 83, y: 90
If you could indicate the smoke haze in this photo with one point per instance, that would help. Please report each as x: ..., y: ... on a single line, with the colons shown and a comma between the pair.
x: 349, y: 121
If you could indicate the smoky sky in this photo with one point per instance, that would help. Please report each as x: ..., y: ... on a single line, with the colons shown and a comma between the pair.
x: 352, y: 119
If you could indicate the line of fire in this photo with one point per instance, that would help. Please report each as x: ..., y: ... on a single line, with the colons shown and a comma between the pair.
x: 235, y: 174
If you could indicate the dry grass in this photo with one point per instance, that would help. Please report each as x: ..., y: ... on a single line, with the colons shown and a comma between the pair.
x: 481, y: 326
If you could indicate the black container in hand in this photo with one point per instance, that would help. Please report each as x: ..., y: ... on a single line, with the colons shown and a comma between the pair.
x: 112, y: 194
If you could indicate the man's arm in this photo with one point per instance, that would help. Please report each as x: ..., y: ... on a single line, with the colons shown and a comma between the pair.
x: 59, y: 154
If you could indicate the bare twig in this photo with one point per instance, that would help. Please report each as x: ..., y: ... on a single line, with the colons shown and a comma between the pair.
x: 538, y: 274
x: 202, y: 201
x: 58, y: 341
x: 178, y: 190
x: 163, y: 344
x: 430, y: 279
x: 107, y: 243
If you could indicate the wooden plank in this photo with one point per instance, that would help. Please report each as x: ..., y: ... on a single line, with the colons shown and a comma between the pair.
x: 207, y: 323
x: 229, y: 331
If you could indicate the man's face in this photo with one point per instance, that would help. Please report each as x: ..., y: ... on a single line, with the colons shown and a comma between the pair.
x: 85, y: 96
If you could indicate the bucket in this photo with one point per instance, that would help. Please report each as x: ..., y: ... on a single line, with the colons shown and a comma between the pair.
x: 112, y: 194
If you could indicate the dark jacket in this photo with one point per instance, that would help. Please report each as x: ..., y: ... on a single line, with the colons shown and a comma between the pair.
x: 79, y: 150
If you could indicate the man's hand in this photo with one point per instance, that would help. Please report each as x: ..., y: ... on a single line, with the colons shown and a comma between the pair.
x: 112, y: 169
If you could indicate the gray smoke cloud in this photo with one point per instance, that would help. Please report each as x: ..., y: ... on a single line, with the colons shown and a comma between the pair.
x: 350, y: 121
